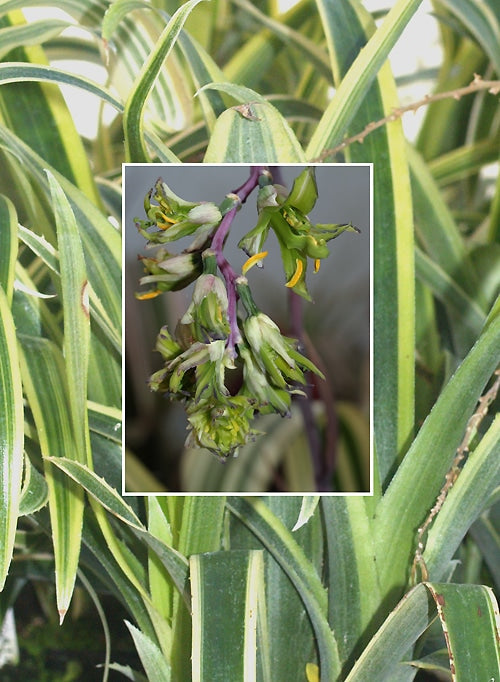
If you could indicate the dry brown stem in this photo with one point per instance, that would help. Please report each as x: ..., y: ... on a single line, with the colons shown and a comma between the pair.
x: 476, y: 85
x: 453, y: 473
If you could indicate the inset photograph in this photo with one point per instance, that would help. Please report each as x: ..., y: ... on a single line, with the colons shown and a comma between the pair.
x: 247, y: 310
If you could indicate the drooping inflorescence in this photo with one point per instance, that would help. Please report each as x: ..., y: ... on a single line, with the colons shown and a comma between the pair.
x: 223, y: 333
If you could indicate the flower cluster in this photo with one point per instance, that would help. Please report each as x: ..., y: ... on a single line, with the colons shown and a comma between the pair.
x: 229, y: 364
x: 173, y: 218
x: 286, y: 213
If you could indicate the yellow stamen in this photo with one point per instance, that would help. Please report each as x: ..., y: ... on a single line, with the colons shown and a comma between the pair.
x: 170, y: 221
x: 317, y: 265
x: 147, y: 295
x: 297, y: 274
x: 252, y: 261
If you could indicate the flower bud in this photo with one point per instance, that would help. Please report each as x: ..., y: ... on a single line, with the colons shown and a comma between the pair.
x: 207, y: 311
x: 171, y: 272
x: 205, y: 213
x: 275, y: 354
x: 256, y: 384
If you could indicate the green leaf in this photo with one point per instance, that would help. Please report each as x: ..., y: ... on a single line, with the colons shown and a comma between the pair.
x: 8, y: 245
x: 45, y: 385
x: 355, y: 84
x: 117, y: 11
x: 468, y: 615
x: 354, y: 593
x: 111, y: 500
x: 279, y: 541
x: 449, y: 291
x: 348, y: 28
x: 257, y: 55
x: 252, y: 132
x: 477, y: 480
x: 34, y: 33
x: 34, y: 494
x: 135, y: 149
x: 483, y: 21
x: 381, y: 658
x: 227, y: 595
x: 155, y: 664
x: 415, y: 486
x: 11, y: 435
x: 487, y: 537
x: 75, y: 302
x: 308, y: 49
x: 438, y: 232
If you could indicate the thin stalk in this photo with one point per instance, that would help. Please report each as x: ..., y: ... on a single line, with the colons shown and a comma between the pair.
x: 241, y: 194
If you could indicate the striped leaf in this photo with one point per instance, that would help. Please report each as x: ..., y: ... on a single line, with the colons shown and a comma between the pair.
x: 354, y: 592
x: 348, y: 28
x: 381, y: 659
x: 45, y: 384
x: 414, y: 488
x: 252, y: 132
x: 154, y: 662
x: 75, y: 304
x: 227, y: 595
x: 108, y: 498
x: 11, y: 435
x: 482, y: 19
x: 469, y: 618
x: 135, y: 148
x: 355, y: 84
x: 279, y: 541
x: 25, y: 72
x: 8, y: 245
x: 38, y: 114
x: 34, y: 33
x: 35, y: 493
x: 289, y: 650
x: 479, y: 477
x: 200, y: 527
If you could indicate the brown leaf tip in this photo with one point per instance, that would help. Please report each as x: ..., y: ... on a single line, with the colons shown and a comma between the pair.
x: 84, y: 299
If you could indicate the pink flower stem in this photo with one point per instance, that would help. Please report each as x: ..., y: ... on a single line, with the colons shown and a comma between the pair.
x: 225, y: 267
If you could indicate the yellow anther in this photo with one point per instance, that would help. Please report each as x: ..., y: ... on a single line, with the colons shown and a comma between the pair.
x: 252, y: 261
x: 317, y: 265
x: 296, y: 275
x: 147, y: 295
x: 167, y: 223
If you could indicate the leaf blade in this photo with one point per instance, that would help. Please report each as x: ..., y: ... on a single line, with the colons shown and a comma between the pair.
x: 11, y: 435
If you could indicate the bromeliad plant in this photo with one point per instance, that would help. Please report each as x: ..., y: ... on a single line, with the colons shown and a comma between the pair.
x: 212, y: 336
x: 221, y: 588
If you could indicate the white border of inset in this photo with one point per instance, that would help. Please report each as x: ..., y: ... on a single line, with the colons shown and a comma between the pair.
x: 248, y: 494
